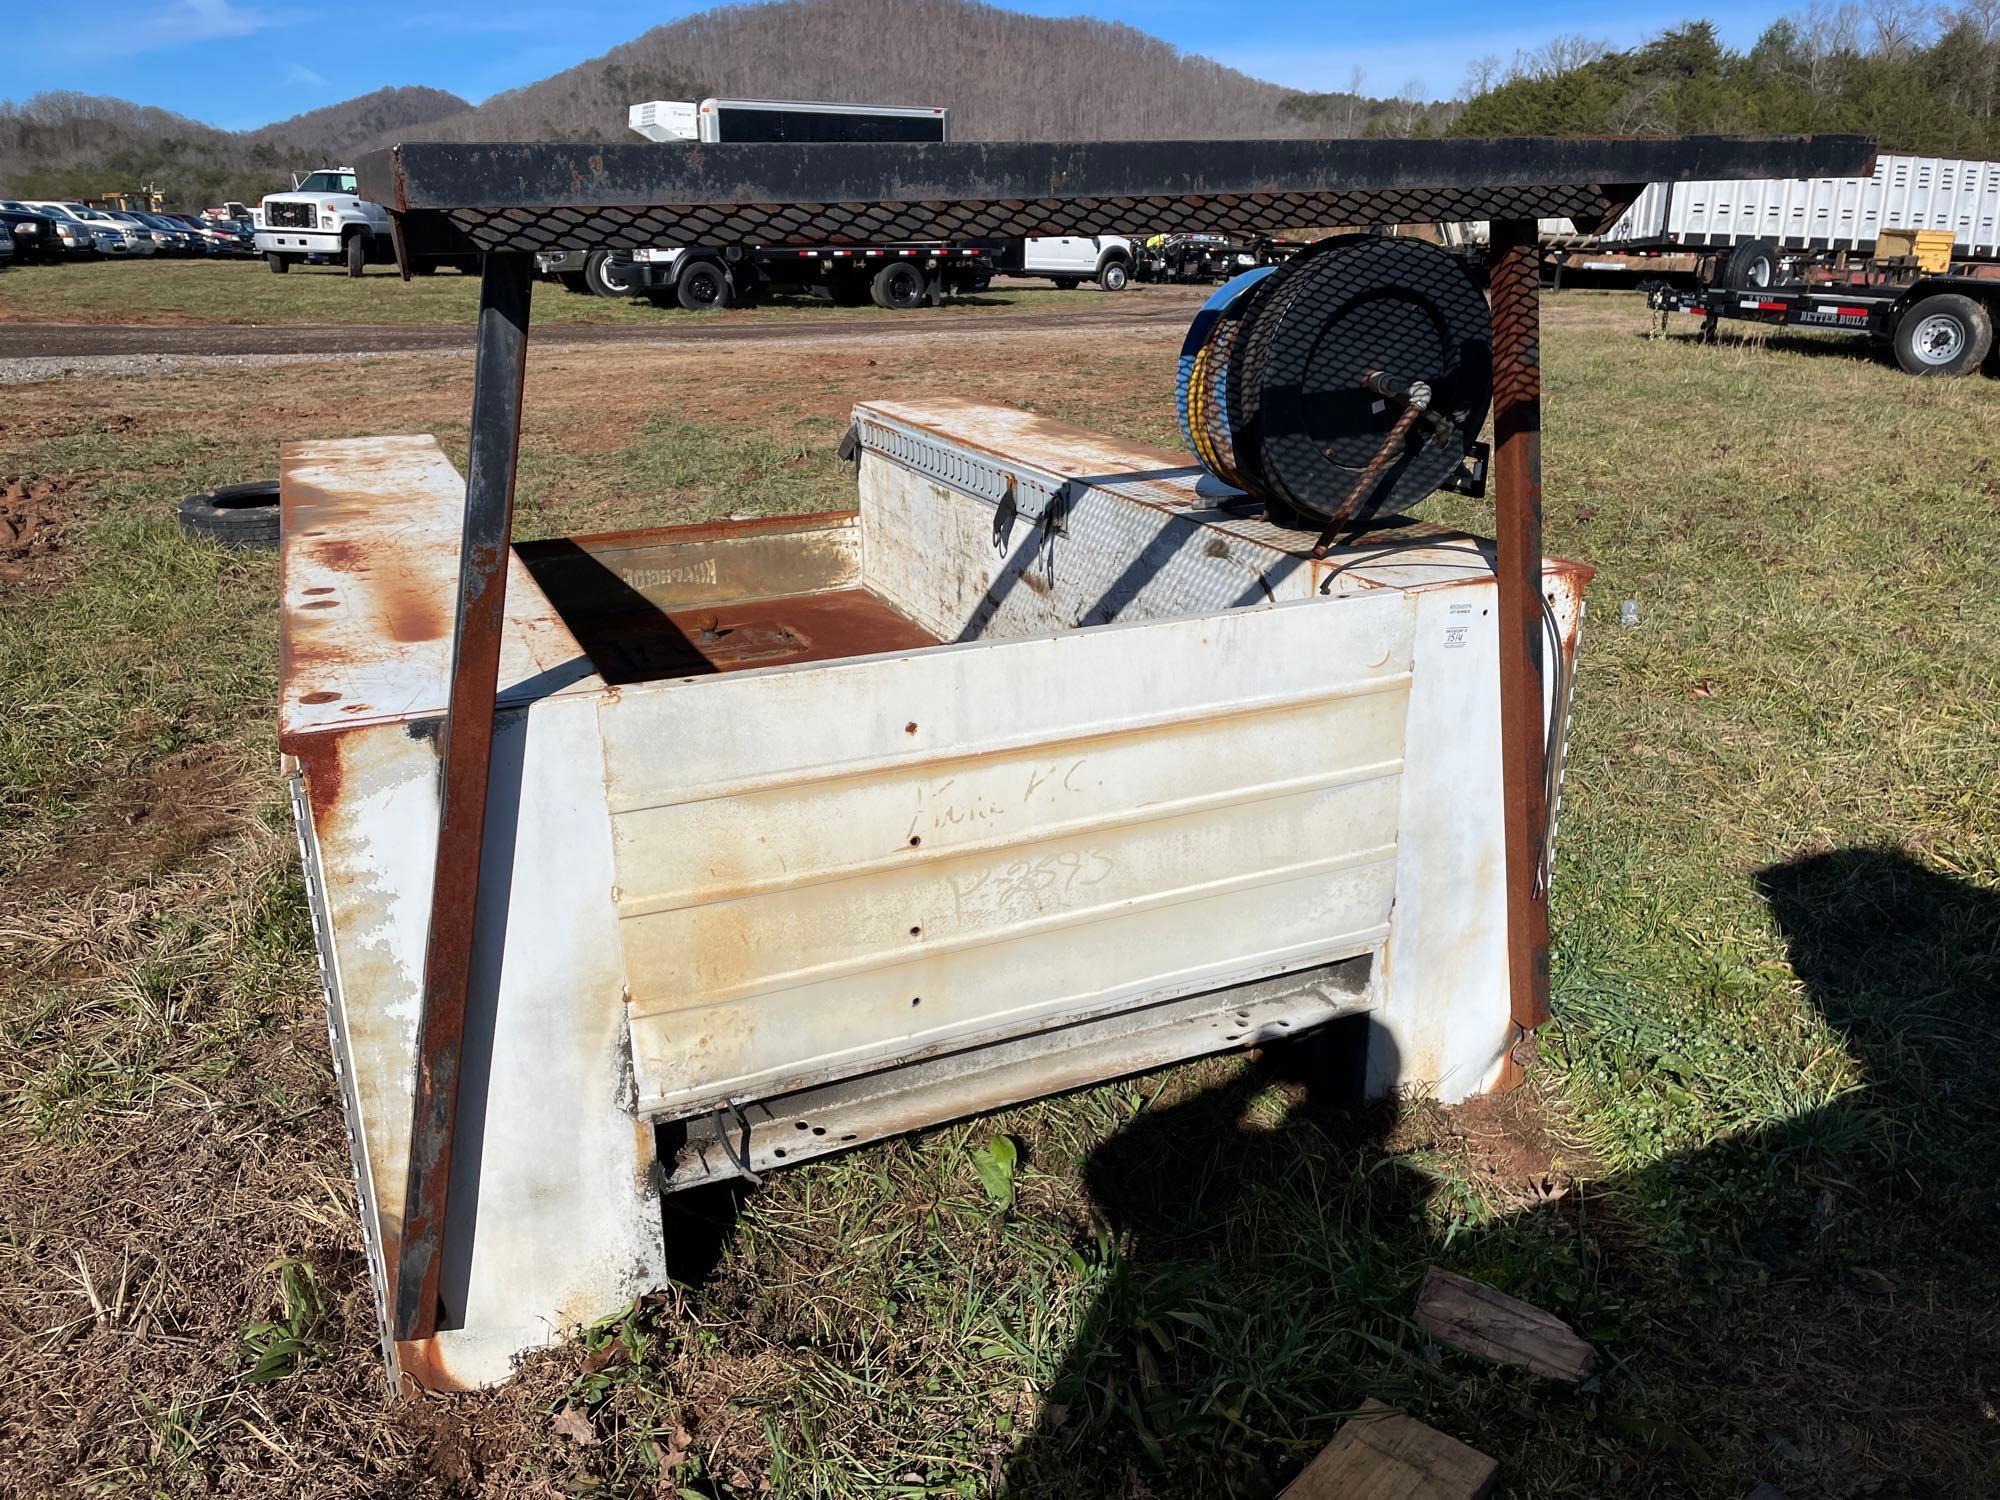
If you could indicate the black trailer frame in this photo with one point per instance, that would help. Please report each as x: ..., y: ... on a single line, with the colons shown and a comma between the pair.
x: 1873, y: 308
x: 507, y: 202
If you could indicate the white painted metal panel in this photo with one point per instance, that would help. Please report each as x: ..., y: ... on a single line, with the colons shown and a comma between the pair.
x: 552, y: 1216
x: 1120, y: 829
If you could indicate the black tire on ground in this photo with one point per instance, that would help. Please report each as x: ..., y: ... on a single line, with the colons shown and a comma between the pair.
x: 702, y: 286
x: 1943, y: 335
x: 234, y: 515
x: 1113, y: 275
x: 608, y: 277
x: 354, y: 252
x: 898, y: 286
x: 423, y: 268
x: 279, y: 264
x: 1067, y: 283
x: 574, y: 281
x: 1752, y: 266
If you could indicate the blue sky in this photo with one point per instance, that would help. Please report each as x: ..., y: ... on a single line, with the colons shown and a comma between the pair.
x: 241, y: 63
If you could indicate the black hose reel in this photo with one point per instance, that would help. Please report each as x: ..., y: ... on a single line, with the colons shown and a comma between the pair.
x: 1343, y: 386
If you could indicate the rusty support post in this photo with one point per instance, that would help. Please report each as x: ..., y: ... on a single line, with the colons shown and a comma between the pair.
x: 465, y: 750
x: 1514, y: 287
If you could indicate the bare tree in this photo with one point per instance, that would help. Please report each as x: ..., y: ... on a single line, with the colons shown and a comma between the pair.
x: 1409, y: 106
x: 1898, y: 26
x: 1479, y: 76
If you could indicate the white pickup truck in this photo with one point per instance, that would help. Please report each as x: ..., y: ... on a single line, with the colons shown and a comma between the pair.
x: 324, y: 218
x: 1069, y: 260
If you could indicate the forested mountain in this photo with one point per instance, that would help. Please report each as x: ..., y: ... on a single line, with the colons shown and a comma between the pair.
x: 62, y: 145
x: 1005, y: 76
x: 341, y: 129
x: 1920, y: 79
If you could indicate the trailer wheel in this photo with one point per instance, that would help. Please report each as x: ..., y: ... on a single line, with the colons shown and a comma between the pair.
x: 1943, y: 335
x: 1112, y: 276
x: 1752, y: 266
x: 279, y: 264
x: 609, y: 277
x: 898, y: 286
x: 702, y: 286
x: 355, y: 252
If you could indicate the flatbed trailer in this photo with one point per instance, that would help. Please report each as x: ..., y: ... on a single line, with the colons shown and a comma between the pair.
x: 1935, y: 324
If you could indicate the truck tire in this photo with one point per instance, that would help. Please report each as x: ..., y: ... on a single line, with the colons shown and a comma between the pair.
x: 1943, y: 335
x: 354, y: 251
x: 702, y: 286
x: 607, y: 278
x: 898, y: 287
x: 1067, y: 283
x: 1113, y: 275
x: 1752, y: 266
x: 234, y: 515
x: 279, y: 264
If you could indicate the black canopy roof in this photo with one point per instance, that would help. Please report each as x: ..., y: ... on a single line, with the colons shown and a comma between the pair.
x: 453, y: 198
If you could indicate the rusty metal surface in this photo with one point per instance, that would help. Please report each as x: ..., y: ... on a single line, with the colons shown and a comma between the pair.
x: 797, y: 1127
x: 574, y: 196
x: 506, y: 283
x: 1515, y: 291
x: 369, y: 560
x: 641, y: 644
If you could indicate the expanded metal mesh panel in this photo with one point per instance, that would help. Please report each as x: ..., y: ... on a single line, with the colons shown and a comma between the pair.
x: 635, y: 226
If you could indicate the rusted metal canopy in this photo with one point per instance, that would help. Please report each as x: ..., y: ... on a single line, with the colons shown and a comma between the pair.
x: 451, y: 198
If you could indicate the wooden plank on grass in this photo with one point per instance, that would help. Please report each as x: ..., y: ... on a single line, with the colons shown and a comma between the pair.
x: 1472, y: 1316
x: 1383, y: 1455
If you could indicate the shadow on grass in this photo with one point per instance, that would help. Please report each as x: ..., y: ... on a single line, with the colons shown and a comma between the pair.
x: 1811, y: 1304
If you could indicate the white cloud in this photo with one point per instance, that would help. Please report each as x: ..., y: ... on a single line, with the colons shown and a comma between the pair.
x: 204, y: 20
x: 176, y: 25
x: 300, y: 74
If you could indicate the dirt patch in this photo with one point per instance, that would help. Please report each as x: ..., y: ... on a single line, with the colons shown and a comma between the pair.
x: 1506, y: 1146
x: 35, y: 517
x: 144, y: 828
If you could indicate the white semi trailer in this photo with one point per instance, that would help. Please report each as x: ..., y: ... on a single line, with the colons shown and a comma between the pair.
x: 1823, y: 213
x: 890, y: 274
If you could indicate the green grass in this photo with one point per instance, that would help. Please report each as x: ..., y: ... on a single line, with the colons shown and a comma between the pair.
x: 1775, y: 1059
x: 244, y: 291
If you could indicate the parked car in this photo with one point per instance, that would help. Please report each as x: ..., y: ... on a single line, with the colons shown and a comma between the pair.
x: 145, y: 239
x: 175, y: 238
x: 224, y: 236
x: 35, y: 235
x: 6, y: 246
x: 72, y: 234
x: 111, y: 236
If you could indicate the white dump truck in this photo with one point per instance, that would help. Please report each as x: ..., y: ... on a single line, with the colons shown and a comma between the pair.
x: 322, y: 218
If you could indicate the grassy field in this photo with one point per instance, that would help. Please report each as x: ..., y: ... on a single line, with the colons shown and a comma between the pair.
x: 243, y: 291
x: 1755, y: 1166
